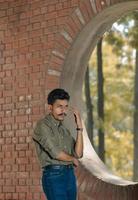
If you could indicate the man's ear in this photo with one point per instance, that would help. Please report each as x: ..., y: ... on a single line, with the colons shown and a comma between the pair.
x: 50, y: 108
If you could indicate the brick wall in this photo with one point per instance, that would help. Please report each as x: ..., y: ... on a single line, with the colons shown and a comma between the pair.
x: 32, y: 53
x: 27, y: 32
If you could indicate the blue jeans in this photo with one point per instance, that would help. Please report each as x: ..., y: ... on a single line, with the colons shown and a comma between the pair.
x: 59, y: 183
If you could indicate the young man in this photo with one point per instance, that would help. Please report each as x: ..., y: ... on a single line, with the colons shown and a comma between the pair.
x: 57, y: 150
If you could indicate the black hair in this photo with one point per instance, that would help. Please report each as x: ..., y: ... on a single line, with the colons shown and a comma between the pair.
x: 57, y: 93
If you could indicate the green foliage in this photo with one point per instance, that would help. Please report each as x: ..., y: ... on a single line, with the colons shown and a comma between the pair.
x: 130, y: 28
x: 119, y: 71
x: 119, y: 153
x: 116, y: 41
x: 118, y: 87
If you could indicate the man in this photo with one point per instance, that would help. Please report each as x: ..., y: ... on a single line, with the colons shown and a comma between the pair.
x: 57, y: 150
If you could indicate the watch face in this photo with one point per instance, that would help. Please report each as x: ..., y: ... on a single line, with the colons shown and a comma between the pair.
x: 79, y: 129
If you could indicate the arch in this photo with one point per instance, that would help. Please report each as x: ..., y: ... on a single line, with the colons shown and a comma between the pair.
x: 73, y: 47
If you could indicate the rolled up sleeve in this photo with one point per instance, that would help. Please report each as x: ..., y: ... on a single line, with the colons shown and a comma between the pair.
x: 43, y: 135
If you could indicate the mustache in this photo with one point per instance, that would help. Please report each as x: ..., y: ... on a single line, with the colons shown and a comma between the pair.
x: 62, y: 114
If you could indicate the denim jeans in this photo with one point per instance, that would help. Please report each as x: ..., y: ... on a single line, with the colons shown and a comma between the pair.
x: 60, y: 183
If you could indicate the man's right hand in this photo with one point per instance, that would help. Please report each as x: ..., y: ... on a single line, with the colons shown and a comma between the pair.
x: 66, y: 157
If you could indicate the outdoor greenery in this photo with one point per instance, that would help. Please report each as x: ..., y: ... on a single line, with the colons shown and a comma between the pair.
x: 119, y: 48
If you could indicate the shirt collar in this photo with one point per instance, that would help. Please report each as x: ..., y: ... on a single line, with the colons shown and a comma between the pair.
x: 53, y: 120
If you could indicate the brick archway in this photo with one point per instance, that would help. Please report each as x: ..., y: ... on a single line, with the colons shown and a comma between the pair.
x: 41, y: 48
x: 74, y: 44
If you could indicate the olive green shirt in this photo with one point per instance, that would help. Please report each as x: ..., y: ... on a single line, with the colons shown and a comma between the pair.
x: 51, y: 137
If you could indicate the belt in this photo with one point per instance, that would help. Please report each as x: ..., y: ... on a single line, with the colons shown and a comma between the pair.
x: 58, y: 166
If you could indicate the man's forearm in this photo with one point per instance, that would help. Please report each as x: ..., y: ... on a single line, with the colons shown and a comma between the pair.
x: 79, y: 144
x: 79, y: 139
x: 64, y: 157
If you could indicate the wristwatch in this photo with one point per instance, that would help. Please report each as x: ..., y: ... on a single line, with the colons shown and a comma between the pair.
x: 79, y: 129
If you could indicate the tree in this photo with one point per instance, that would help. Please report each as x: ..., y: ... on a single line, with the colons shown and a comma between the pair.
x: 118, y: 112
x: 130, y: 32
x: 118, y: 69
x: 100, y: 105
x: 89, y: 107
x: 133, y: 33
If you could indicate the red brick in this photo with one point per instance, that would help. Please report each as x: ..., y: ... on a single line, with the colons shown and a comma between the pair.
x: 2, y: 141
x: 35, y: 188
x: 2, y: 196
x: 2, y: 35
x: 8, y: 106
x: 15, y: 168
x: 23, y: 118
x: 8, y: 182
x: 57, y: 60
x: 22, y: 161
x: 21, y: 153
x: 28, y: 167
x: 8, y: 168
x: 4, y: 4
x: 22, y: 189
x: 21, y: 147
x: 8, y: 141
x: 8, y: 127
x: 24, y: 21
x: 37, y: 18
x: 59, y: 6
x: 50, y: 15
x: 35, y: 47
x: 22, y: 181
x: 36, y: 25
x: 1, y: 100
x: 21, y: 91
x: 22, y: 139
x: 84, y: 12
x: 1, y: 156
x: 22, y: 175
x: 100, y: 5
x: 8, y: 147
x: 23, y: 132
x: 22, y: 168
x: 2, y: 74
x: 8, y: 133
x: 8, y: 161
x: 15, y: 196
x: 35, y: 174
x: 2, y: 61
x: 51, y: 8
x: 7, y: 93
x: 8, y: 120
x: 22, y: 195
x: 29, y: 181
x: 2, y: 181
x: 21, y: 126
x: 8, y: 73
x: 37, y: 11
x: 10, y: 11
x: 3, y: 20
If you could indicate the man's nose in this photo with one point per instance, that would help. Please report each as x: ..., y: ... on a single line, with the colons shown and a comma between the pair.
x: 64, y: 110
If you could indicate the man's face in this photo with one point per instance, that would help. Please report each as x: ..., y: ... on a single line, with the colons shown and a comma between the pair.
x: 59, y: 109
